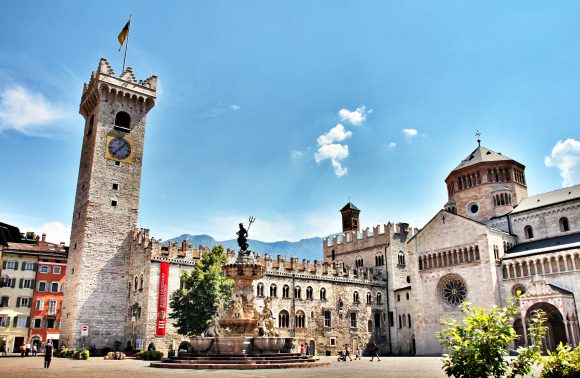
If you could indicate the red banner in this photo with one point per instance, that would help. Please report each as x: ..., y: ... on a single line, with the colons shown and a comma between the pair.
x: 162, y: 299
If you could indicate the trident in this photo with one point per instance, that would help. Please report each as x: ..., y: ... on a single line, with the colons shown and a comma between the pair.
x: 251, y: 220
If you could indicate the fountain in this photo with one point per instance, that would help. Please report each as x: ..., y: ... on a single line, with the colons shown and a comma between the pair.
x: 240, y: 337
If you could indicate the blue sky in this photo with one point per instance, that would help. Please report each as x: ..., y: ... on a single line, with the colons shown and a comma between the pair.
x: 285, y: 110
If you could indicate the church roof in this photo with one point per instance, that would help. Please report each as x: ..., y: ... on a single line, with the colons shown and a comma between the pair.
x: 480, y: 155
x: 545, y: 245
x: 549, y: 198
x: 350, y: 206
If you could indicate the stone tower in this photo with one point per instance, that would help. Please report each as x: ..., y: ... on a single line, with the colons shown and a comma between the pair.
x: 106, y: 205
x: 350, y: 217
x: 485, y: 185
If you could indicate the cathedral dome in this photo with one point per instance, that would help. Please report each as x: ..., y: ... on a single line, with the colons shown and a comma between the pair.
x: 486, y: 184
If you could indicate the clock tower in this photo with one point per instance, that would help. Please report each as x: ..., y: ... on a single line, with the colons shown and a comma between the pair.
x: 106, y: 206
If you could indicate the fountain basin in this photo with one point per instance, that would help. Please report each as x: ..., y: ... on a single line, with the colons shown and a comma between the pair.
x: 200, y: 344
x: 232, y: 345
x: 269, y: 344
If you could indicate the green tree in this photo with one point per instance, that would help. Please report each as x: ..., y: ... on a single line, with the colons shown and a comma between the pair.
x: 563, y: 363
x: 203, y: 289
x: 480, y: 346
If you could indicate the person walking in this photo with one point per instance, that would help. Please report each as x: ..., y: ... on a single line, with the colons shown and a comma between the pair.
x: 301, y: 348
x: 22, y: 350
x: 308, y: 349
x: 3, y: 349
x: 47, y: 354
x: 357, y: 354
x: 34, y: 350
x: 374, y: 349
x: 347, y: 353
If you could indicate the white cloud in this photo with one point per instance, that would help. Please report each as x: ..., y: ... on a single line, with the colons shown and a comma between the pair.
x: 391, y: 145
x: 336, y: 134
x: 235, y: 107
x: 334, y: 153
x: 566, y: 157
x: 55, y: 231
x: 25, y: 111
x: 356, y: 117
x: 410, y: 132
x: 296, y: 154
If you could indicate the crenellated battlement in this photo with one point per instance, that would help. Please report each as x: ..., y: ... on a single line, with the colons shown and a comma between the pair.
x: 386, y: 232
x: 103, y: 82
x: 142, y: 243
x: 317, y: 270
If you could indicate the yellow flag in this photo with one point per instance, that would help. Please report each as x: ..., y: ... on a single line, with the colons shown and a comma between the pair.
x: 123, y: 34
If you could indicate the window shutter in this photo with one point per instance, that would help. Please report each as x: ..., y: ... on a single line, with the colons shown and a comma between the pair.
x: 16, y: 265
x: 15, y: 322
x: 13, y: 283
x: 8, y: 321
x: 20, y: 283
x: 33, y: 285
x: 28, y: 322
x: 35, y: 267
x: 18, y: 302
x: 23, y: 265
x: 4, y: 264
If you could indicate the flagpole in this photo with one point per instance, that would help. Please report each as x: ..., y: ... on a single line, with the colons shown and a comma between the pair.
x: 126, y: 44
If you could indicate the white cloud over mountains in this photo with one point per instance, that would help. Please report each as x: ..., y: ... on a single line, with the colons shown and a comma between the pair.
x: 329, y: 149
x: 26, y: 111
x: 566, y: 157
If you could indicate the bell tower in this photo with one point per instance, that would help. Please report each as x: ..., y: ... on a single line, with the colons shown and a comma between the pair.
x: 106, y: 206
x: 350, y: 217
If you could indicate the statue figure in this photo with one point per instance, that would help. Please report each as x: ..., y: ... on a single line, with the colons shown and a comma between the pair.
x: 242, y: 238
x: 238, y: 312
x: 214, y: 329
x: 268, y: 319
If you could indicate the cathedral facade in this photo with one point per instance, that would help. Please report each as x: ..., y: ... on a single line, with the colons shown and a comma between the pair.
x: 391, y: 284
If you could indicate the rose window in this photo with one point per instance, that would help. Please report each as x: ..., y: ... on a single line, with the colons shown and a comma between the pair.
x: 454, y: 292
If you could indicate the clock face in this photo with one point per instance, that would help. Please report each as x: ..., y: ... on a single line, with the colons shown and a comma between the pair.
x: 119, y: 148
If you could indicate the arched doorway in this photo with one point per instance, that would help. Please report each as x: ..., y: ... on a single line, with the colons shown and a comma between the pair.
x: 312, y: 348
x: 556, y: 332
x: 519, y: 328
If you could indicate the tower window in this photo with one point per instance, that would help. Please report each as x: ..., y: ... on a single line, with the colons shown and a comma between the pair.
x: 114, y: 203
x: 123, y: 122
x: 564, y: 225
x: 115, y: 186
x: 91, y: 122
x: 529, y: 232
x: 117, y: 163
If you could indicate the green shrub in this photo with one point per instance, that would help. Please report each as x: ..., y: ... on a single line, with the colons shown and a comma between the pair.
x: 151, y: 355
x: 60, y: 352
x: 151, y: 346
x: 564, y: 362
x: 480, y: 346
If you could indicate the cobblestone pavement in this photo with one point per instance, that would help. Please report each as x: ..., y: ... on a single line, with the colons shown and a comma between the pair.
x: 97, y: 367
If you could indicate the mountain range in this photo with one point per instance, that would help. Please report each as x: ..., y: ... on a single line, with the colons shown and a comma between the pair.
x: 310, y: 249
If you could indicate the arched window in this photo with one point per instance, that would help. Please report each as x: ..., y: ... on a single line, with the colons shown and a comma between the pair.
x: 529, y: 232
x: 273, y: 291
x: 355, y: 297
x: 91, y: 123
x: 333, y: 255
x: 260, y: 290
x: 323, y: 294
x: 283, y: 319
x: 409, y: 319
x: 379, y: 298
x: 369, y: 298
x: 309, y: 292
x: 285, y: 291
x: 300, y: 319
x: 564, y: 225
x: 136, y: 283
x: 297, y: 292
x: 370, y: 326
x: 401, y: 258
x: 123, y: 122
x: 141, y: 282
